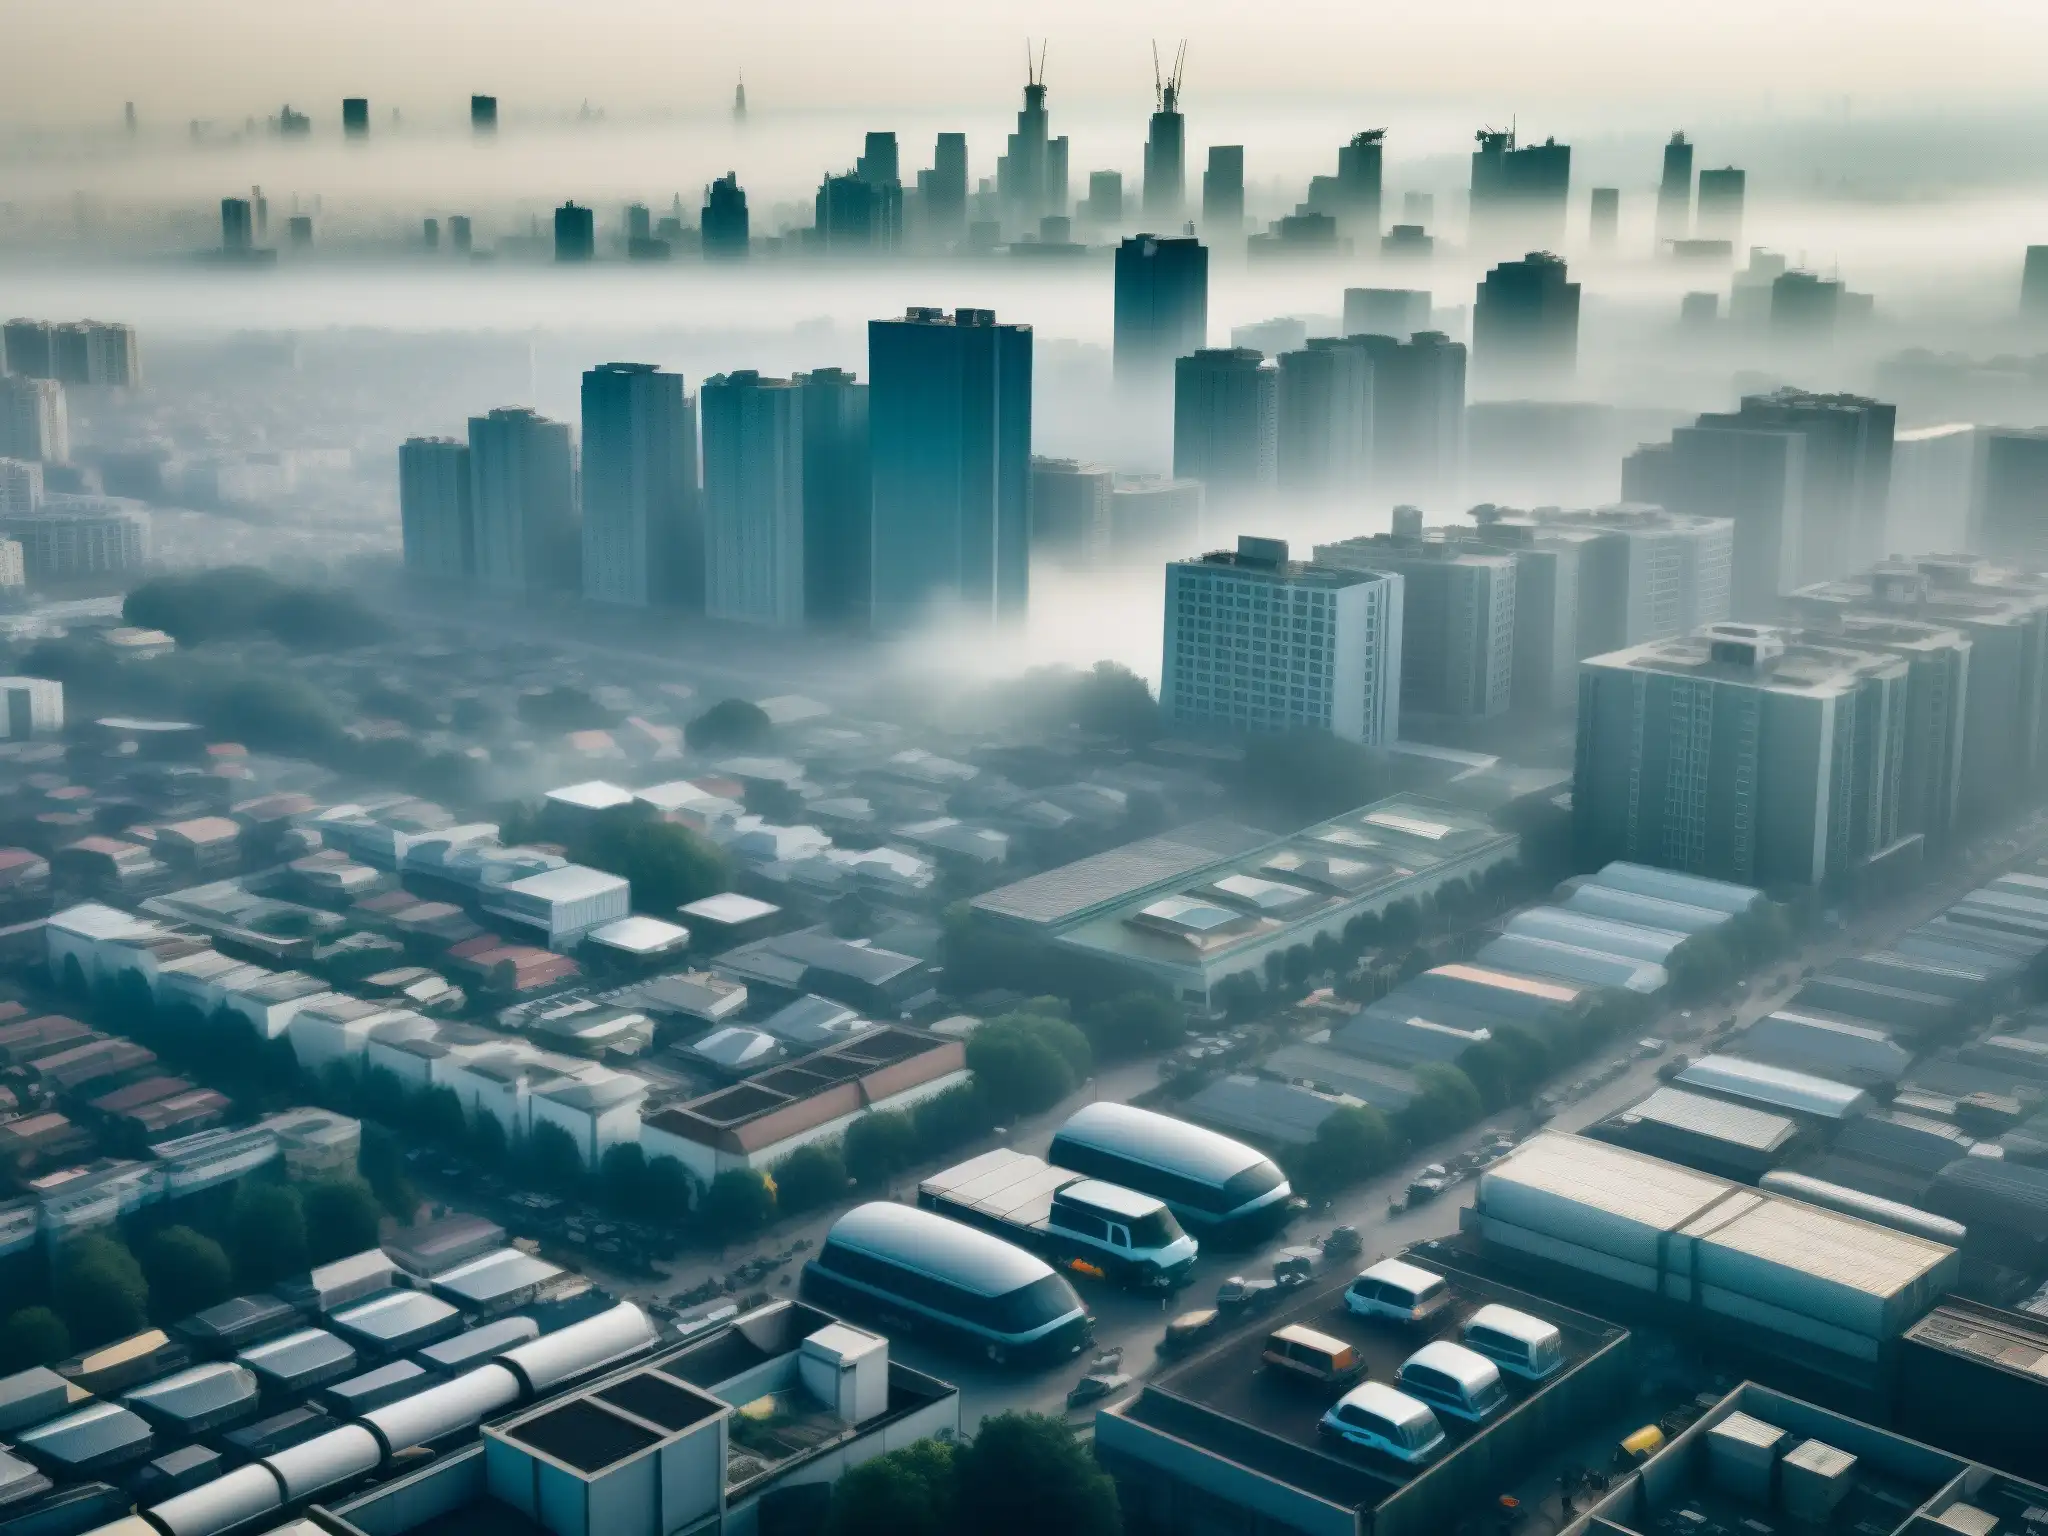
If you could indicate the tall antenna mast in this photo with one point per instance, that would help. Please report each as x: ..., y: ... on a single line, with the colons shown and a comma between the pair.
x: 1158, y: 90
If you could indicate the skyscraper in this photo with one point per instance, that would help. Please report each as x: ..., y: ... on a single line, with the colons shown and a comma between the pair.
x: 1755, y: 477
x: 1323, y: 421
x: 1741, y: 753
x: 1222, y: 191
x: 855, y: 215
x: 643, y: 538
x: 838, y: 534
x: 2034, y: 282
x: 26, y: 348
x: 1418, y: 416
x: 1358, y: 182
x: 483, y: 114
x: 1645, y: 573
x: 1604, y: 229
x: 754, y: 499
x: 1721, y: 194
x: 237, y: 228
x: 459, y: 235
x: 950, y: 428
x: 523, y: 499
x: 355, y: 117
x: 724, y: 223
x: 942, y: 190
x: 1847, y: 474
x: 2008, y: 511
x: 1395, y: 312
x: 1166, y: 146
x: 1162, y: 307
x: 1458, y: 621
x: 575, y: 233
x: 1105, y: 205
x: 1525, y: 327
x: 1225, y: 415
x: 1070, y: 511
x: 1519, y: 193
x: 1031, y: 175
x: 435, y: 522
x: 34, y: 421
x: 1674, y: 192
x: 1804, y: 307
x: 1258, y: 642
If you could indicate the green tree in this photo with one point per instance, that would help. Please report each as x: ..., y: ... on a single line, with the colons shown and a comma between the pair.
x: 1445, y: 1102
x: 269, y: 713
x: 1026, y: 1063
x: 668, y: 865
x: 730, y: 725
x: 1025, y: 1475
x: 267, y: 1235
x: 1351, y: 1145
x: 437, y: 1117
x: 557, y: 1161
x: 339, y: 1087
x: 381, y: 1097
x: 1112, y: 700
x: 564, y: 709
x: 670, y: 1190
x: 382, y: 1163
x: 879, y: 1145
x: 1240, y: 997
x: 738, y: 1203
x: 32, y: 1336
x: 187, y: 1272
x: 487, y: 1141
x: 622, y: 1178
x: 947, y: 1119
x: 100, y: 1289
x: 342, y: 1217
x: 809, y: 1177
x: 903, y: 1493
x: 1307, y: 775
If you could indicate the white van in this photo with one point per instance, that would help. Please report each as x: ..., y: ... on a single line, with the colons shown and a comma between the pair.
x: 1377, y: 1418
x: 1519, y: 1344
x: 1453, y: 1379
x: 1401, y: 1292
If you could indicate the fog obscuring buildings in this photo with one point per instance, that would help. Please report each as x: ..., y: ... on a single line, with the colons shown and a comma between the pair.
x: 642, y: 533
x: 754, y: 569
x: 523, y: 497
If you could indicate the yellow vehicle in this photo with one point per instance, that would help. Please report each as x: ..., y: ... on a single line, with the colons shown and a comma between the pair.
x: 1639, y: 1447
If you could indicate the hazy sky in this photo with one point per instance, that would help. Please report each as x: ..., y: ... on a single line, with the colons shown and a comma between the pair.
x: 75, y: 61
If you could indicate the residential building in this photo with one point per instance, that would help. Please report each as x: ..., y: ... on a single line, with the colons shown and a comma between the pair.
x: 1645, y: 573
x: 1418, y: 416
x: 1323, y: 421
x: 754, y: 500
x: 1225, y: 421
x: 2008, y: 501
x: 436, y: 525
x: 34, y: 422
x: 21, y: 486
x: 1549, y: 561
x: 1258, y: 642
x: 523, y: 498
x: 1223, y: 191
x: 1162, y: 308
x: 838, y: 496
x: 1754, y: 477
x: 1395, y: 312
x: 1070, y: 511
x: 575, y: 233
x: 1525, y: 327
x: 1743, y: 753
x: 1458, y: 621
x: 1720, y: 213
x: 25, y: 349
x: 80, y: 536
x: 949, y: 408
x: 643, y: 536
x: 1153, y: 516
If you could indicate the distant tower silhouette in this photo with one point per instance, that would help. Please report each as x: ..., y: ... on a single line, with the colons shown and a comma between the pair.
x: 1165, y: 146
x: 739, y: 101
x: 128, y: 116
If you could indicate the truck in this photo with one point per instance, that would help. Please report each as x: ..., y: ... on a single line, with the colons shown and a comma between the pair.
x: 1076, y: 1223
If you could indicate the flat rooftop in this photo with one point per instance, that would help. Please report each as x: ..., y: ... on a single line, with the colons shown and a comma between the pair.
x: 1230, y: 1380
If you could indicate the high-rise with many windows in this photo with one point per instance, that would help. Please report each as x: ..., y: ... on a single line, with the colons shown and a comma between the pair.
x: 754, y: 499
x: 1458, y: 617
x: 435, y: 522
x: 1258, y: 642
x: 643, y: 539
x: 838, y: 500
x: 949, y: 410
x: 523, y: 499
x: 1225, y: 415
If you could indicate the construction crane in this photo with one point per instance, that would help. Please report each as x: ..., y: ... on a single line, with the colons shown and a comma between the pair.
x: 1166, y: 92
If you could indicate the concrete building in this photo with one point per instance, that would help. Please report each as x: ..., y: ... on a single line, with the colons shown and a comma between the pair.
x: 562, y: 903
x: 754, y: 560
x: 942, y: 192
x: 575, y: 233
x: 1525, y: 328
x: 1754, y: 477
x: 1645, y: 573
x: 1323, y: 422
x: 523, y: 497
x: 1152, y: 517
x: 1674, y: 193
x: 1162, y: 309
x: 1395, y: 312
x: 1743, y: 753
x: 34, y: 422
x: 838, y: 496
x: 2008, y: 500
x: 723, y: 224
x: 21, y: 486
x: 643, y: 539
x: 1519, y: 192
x: 1934, y: 488
x: 80, y: 536
x: 29, y: 707
x: 1223, y: 191
x: 437, y: 527
x: 1721, y: 196
x: 1257, y: 642
x: 1458, y: 621
x: 1418, y: 415
x: 1549, y: 561
x: 1070, y: 511
x: 1225, y: 419
x: 950, y: 434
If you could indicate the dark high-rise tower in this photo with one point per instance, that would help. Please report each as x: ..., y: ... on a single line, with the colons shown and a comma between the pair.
x: 1166, y: 145
x: 643, y: 539
x: 575, y: 233
x: 355, y: 116
x: 236, y: 224
x: 1418, y: 416
x: 1323, y: 419
x: 1162, y: 308
x: 949, y: 411
x: 2034, y: 282
x: 1358, y: 181
x: 1721, y: 194
x: 838, y: 499
x: 483, y: 114
x: 725, y: 219
x: 1525, y: 327
x: 1674, y: 192
x: 1225, y: 404
x: 1031, y: 176
x: 739, y: 101
x: 942, y: 190
x: 1223, y: 191
x: 523, y: 503
x: 1519, y: 193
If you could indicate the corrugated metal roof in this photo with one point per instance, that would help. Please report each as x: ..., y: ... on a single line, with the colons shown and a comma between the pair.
x: 1800, y: 1092
x: 1695, y: 1113
x: 1857, y: 1254
x: 1610, y: 1179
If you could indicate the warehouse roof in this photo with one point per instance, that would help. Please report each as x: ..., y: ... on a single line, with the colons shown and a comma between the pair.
x: 1622, y: 1183
x: 1858, y: 1254
x: 1066, y: 892
x: 1756, y: 1129
x: 1781, y: 1087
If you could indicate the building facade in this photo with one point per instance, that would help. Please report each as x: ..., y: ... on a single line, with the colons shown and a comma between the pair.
x: 1458, y: 621
x: 1162, y: 308
x: 643, y: 536
x: 436, y: 526
x: 523, y: 498
x: 754, y: 500
x: 838, y: 499
x: 1225, y: 423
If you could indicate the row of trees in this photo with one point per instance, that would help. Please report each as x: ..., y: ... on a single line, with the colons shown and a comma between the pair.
x: 108, y: 1284
x: 1023, y: 1474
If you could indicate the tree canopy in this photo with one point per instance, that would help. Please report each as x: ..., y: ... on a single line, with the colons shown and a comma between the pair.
x: 99, y: 1289
x: 738, y: 1203
x: 238, y: 602
x: 341, y: 1217
x: 187, y: 1272
x: 910, y: 1492
x: 267, y: 1235
x: 30, y: 1337
x: 1025, y: 1474
x: 730, y: 725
